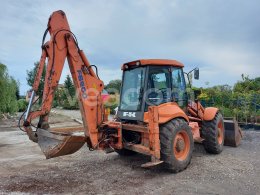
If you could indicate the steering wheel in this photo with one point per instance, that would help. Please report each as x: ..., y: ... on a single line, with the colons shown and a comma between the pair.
x: 155, y: 96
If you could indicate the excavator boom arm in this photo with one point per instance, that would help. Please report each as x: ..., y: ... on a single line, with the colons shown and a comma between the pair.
x: 62, y: 45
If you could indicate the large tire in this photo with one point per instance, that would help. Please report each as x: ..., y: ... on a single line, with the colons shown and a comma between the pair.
x: 125, y: 152
x: 176, y: 144
x: 213, y: 132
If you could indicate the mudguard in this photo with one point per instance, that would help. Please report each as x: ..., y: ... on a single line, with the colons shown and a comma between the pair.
x: 168, y: 111
x: 210, y: 113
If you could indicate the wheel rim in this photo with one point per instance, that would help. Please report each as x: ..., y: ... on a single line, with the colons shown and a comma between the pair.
x: 220, y: 132
x: 181, y: 146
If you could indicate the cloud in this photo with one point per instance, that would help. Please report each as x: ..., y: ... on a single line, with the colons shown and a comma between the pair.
x: 221, y: 37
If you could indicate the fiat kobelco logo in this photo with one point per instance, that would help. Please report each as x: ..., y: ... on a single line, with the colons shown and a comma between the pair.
x: 82, y: 84
x: 129, y: 114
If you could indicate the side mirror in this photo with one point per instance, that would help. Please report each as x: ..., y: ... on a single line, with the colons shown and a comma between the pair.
x: 196, y: 73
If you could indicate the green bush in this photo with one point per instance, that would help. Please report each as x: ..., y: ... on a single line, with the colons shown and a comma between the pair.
x: 55, y: 104
x: 8, y: 89
x: 70, y: 104
x: 227, y: 112
x: 22, y: 105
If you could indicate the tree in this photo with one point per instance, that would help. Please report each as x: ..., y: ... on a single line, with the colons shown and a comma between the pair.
x: 243, y: 101
x: 31, y: 76
x: 247, y: 92
x: 17, y: 93
x: 68, y: 84
x: 247, y: 85
x: 69, y: 101
x: 8, y: 89
x: 113, y: 86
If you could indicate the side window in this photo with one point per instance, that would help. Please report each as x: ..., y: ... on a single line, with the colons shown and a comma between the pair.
x: 159, y: 81
x: 178, y: 79
x: 159, y: 86
x: 179, y: 87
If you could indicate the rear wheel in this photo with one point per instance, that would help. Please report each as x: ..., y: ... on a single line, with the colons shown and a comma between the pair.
x: 213, y: 133
x: 176, y: 144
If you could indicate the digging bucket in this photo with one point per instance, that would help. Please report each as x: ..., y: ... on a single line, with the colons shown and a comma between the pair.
x: 233, y: 133
x: 58, y: 143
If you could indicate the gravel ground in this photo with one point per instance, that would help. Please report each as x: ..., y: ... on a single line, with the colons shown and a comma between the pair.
x: 25, y: 170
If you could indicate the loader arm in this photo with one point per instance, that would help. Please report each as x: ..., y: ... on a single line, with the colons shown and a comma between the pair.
x: 63, y: 45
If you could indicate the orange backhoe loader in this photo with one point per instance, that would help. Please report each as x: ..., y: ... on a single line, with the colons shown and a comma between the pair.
x: 155, y: 117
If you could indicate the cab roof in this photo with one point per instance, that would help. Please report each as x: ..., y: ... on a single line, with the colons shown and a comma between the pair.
x: 152, y: 62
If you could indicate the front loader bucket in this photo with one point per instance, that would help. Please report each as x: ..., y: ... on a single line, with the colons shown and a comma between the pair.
x: 54, y: 143
x: 233, y: 133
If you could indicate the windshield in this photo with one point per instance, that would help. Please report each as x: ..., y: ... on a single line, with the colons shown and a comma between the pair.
x: 132, y: 89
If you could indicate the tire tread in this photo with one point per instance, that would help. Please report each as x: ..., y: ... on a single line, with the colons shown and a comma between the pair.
x: 209, y: 133
x: 167, y: 132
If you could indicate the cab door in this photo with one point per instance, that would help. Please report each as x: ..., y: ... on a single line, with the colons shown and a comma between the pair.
x: 179, y: 93
x: 158, y: 86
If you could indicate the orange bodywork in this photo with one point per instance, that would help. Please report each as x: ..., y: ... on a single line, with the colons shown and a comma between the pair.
x: 155, y: 62
x: 195, y: 128
x: 210, y: 113
x: 150, y: 143
x: 62, y: 45
x: 167, y: 111
x: 98, y: 132
x: 196, y: 114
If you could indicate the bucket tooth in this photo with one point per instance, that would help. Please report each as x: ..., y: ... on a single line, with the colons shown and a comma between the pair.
x: 233, y: 133
x: 54, y: 144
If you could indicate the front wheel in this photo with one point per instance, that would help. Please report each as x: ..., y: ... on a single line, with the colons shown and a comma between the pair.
x: 176, y: 144
x: 213, y: 132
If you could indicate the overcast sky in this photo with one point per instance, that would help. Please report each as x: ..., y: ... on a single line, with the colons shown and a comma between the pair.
x: 221, y: 37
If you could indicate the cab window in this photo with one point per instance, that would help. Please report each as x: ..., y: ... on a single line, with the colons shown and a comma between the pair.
x: 159, y: 86
x: 178, y: 87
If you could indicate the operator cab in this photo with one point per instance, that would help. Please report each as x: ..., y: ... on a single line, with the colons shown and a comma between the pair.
x: 150, y: 82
